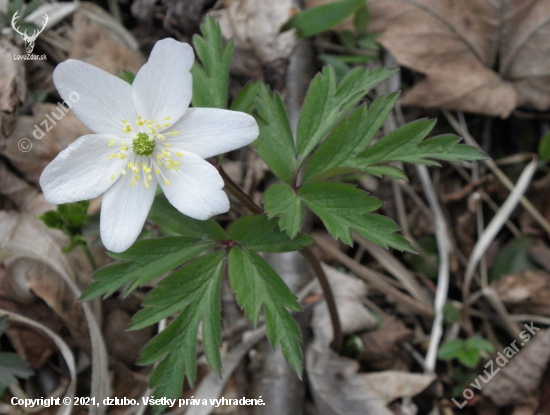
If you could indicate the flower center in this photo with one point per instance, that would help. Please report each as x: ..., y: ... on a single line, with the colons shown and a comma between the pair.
x: 150, y: 151
x: 143, y: 144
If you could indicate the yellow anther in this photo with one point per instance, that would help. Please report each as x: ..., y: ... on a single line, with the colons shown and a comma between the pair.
x: 157, y: 171
x: 166, y: 125
x: 132, y: 183
x: 121, y: 156
x: 179, y: 154
x: 140, y: 123
x: 123, y: 172
x: 167, y: 182
x: 166, y: 153
x: 136, y: 178
x: 168, y: 145
x: 159, y: 156
x: 166, y: 118
x: 139, y: 117
x: 173, y: 133
x: 157, y: 127
x: 146, y: 185
x: 149, y: 177
x: 130, y: 165
x: 111, y: 142
x: 112, y: 177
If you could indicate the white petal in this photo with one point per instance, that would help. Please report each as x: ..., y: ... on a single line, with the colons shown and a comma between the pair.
x: 211, y: 131
x: 100, y: 100
x: 82, y: 171
x: 195, y: 189
x: 123, y: 212
x: 163, y: 86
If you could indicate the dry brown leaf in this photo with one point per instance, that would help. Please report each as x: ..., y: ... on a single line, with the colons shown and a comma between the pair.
x: 255, y: 25
x: 336, y: 386
x: 383, y: 347
x: 518, y: 381
x: 101, y: 47
x: 527, y: 292
x: 354, y: 317
x: 12, y: 86
x: 338, y: 389
x: 39, y: 152
x: 456, y: 44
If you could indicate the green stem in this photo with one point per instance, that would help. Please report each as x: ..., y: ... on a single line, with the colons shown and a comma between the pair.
x: 308, y: 255
x: 90, y: 257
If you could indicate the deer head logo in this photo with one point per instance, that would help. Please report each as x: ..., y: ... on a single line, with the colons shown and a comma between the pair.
x: 29, y: 40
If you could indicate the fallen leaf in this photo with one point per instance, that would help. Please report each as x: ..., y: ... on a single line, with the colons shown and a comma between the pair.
x: 338, y: 389
x: 255, y: 25
x: 36, y: 141
x: 457, y: 45
x: 527, y: 292
x: 12, y: 86
x: 354, y: 317
x: 100, y: 44
x: 383, y: 347
x: 336, y: 386
x: 518, y: 381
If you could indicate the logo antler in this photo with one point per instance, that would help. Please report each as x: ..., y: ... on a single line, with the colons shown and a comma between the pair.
x: 29, y: 40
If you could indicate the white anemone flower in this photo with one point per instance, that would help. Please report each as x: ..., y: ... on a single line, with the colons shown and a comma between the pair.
x: 145, y: 134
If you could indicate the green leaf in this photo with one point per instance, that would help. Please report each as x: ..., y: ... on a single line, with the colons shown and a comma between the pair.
x: 340, y: 67
x: 260, y: 234
x: 69, y: 217
x: 245, y: 99
x: 181, y: 288
x: 544, y: 147
x: 280, y: 200
x: 469, y: 357
x: 326, y: 104
x: 167, y: 378
x: 388, y: 171
x: 200, y: 302
x: 369, y: 41
x: 74, y: 215
x: 406, y: 144
x: 127, y: 76
x: 210, y: 80
x: 167, y: 216
x: 275, y: 143
x: 479, y: 343
x: 350, y: 137
x: 343, y: 208
x: 153, y: 257
x: 382, y: 231
x: 338, y: 205
x: 321, y: 18
x: 451, y: 313
x: 513, y: 258
x: 451, y: 349
x: 361, y: 20
x: 52, y: 219
x: 11, y: 368
x: 257, y: 285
